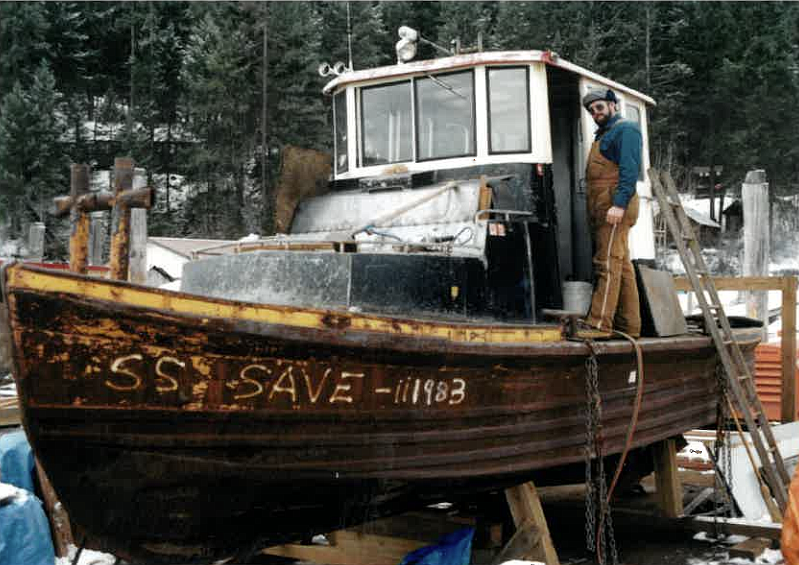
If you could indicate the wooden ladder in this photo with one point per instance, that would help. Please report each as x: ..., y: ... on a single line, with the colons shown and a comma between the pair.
x: 740, y: 383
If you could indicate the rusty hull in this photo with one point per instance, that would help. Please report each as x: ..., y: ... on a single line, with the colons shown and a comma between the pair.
x: 174, y: 426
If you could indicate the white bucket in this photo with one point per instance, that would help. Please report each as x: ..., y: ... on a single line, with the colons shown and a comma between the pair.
x: 577, y: 296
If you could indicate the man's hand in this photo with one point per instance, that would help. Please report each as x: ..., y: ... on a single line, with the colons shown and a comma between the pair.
x: 615, y: 214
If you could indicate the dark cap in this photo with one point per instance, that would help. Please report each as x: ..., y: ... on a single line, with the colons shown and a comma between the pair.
x: 594, y: 95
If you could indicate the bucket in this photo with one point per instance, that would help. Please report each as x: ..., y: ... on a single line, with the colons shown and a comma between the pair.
x: 577, y: 296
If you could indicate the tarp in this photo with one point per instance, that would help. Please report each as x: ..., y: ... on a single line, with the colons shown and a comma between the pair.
x: 452, y: 549
x: 790, y: 524
x: 24, y: 530
x: 16, y: 460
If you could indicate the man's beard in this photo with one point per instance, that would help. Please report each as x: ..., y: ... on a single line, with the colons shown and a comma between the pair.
x: 602, y: 120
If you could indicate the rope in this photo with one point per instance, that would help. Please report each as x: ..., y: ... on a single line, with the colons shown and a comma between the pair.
x: 607, y: 281
x: 639, y: 393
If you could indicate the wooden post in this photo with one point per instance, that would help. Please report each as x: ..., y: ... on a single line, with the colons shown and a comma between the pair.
x: 138, y: 235
x: 125, y: 199
x: 667, y: 480
x: 79, y: 185
x: 80, y: 202
x: 525, y: 507
x: 96, y: 238
x: 788, y: 349
x: 120, y: 220
x: 755, y: 196
x: 36, y: 241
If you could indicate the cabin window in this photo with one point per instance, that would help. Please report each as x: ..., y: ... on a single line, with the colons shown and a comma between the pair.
x: 633, y: 113
x: 509, y: 110
x: 386, y: 127
x: 445, y: 116
x: 340, y: 124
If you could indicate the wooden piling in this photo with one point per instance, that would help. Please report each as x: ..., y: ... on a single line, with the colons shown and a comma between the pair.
x: 138, y: 235
x: 36, y: 241
x: 755, y: 197
x: 120, y: 221
x: 79, y: 237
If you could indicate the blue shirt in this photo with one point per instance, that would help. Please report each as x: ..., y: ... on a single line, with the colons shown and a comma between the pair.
x: 622, y: 143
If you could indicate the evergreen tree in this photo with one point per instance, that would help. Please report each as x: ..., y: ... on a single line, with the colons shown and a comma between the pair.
x: 220, y: 73
x: 33, y: 167
x: 23, y: 42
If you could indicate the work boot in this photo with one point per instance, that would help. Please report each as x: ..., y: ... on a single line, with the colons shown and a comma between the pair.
x: 592, y: 333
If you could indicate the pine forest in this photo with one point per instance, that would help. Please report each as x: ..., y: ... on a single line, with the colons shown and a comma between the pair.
x: 205, y: 95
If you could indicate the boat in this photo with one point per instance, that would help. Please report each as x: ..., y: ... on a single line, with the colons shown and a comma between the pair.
x: 390, y: 351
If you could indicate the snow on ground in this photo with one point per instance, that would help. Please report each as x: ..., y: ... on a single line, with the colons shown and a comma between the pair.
x: 769, y: 556
x: 733, y: 301
x: 11, y: 248
x: 8, y: 491
x: 695, y: 451
x: 87, y: 557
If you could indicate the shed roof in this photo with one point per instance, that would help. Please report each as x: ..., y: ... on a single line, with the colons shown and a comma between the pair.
x: 700, y: 218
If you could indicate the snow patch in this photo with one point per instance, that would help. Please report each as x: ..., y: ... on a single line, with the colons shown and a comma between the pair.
x: 87, y: 557
x: 695, y: 451
x: 8, y: 491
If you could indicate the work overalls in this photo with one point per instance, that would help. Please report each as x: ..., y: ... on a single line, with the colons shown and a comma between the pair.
x: 614, y: 304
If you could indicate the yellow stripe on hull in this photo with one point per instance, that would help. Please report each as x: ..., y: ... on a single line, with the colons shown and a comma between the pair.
x: 22, y: 278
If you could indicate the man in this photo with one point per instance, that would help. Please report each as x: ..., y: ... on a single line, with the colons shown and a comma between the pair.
x: 611, y: 174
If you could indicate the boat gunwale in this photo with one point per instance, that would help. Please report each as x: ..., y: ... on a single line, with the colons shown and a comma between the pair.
x: 335, y: 331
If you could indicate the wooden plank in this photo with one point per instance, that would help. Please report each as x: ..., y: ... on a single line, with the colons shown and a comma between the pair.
x: 736, y: 283
x: 788, y: 408
x: 10, y: 416
x: 667, y: 480
x: 527, y: 535
x: 525, y: 505
x: 384, y: 541
x: 735, y: 526
x: 750, y: 549
x: 350, y: 548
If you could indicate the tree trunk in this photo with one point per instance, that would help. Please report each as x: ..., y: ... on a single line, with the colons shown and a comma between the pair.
x: 265, y: 207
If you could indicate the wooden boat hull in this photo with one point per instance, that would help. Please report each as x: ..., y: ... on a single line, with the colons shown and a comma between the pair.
x: 175, y: 426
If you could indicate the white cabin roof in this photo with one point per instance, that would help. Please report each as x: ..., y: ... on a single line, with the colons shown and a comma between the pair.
x: 472, y: 60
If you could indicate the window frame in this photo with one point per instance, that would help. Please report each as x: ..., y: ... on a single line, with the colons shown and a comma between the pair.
x: 529, y: 119
x: 640, y: 122
x: 343, y: 94
x: 416, y: 133
x: 362, y: 135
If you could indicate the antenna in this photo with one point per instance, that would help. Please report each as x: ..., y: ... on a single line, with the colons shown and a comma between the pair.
x: 349, y: 36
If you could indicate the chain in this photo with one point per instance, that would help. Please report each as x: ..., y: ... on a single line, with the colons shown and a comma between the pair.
x: 596, y: 496
x: 591, y: 424
x: 722, y: 448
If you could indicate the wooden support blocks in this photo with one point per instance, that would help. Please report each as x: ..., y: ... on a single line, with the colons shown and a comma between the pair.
x: 750, y: 549
x: 525, y: 507
x: 385, y: 541
x: 667, y: 481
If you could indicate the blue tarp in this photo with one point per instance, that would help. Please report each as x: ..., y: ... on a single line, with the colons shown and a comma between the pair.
x: 24, y: 532
x: 24, y: 529
x: 452, y: 549
x: 16, y: 460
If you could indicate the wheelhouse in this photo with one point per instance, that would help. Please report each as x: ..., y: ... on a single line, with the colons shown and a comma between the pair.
x: 485, y: 109
x: 457, y: 191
